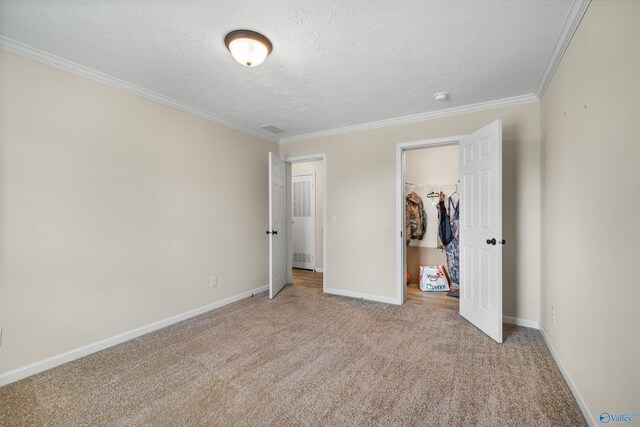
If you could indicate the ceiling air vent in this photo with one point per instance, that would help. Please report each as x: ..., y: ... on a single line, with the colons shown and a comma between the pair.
x: 272, y: 129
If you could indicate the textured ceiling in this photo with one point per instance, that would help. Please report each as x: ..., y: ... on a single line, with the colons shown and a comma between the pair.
x: 334, y: 63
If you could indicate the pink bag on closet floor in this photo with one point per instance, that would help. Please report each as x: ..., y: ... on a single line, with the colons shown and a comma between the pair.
x: 433, y: 278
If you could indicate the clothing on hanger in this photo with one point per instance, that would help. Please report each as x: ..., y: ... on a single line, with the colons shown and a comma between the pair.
x: 453, y: 248
x: 416, y: 218
x: 444, y: 226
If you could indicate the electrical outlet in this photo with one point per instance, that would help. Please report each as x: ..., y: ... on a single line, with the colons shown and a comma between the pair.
x: 376, y: 275
x: 553, y: 314
x: 214, y: 281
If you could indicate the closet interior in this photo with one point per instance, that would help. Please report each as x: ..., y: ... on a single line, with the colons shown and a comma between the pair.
x: 432, y: 202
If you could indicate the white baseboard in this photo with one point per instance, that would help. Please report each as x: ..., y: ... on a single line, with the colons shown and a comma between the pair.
x: 60, y: 359
x: 572, y: 386
x: 521, y: 322
x: 319, y: 270
x: 369, y: 297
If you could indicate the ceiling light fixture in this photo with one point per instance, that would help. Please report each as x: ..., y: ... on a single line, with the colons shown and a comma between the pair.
x: 248, y: 47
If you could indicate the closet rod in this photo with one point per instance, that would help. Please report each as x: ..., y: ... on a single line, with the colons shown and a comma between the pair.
x: 450, y: 184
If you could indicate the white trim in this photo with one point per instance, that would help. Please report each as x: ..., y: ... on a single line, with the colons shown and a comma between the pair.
x: 412, y: 145
x: 325, y: 198
x: 572, y: 386
x: 359, y: 295
x: 401, y: 147
x: 574, y: 16
x: 54, y: 361
x: 455, y: 111
x: 325, y: 237
x: 305, y: 158
x: 312, y: 173
x: 319, y: 270
x: 288, y: 191
x: 521, y: 322
x: 401, y: 250
x: 91, y: 74
x: 97, y: 76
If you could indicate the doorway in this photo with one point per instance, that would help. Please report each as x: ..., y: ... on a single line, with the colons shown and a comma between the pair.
x: 303, y: 207
x: 308, y: 216
x: 480, y: 224
x: 431, y: 201
x: 280, y: 226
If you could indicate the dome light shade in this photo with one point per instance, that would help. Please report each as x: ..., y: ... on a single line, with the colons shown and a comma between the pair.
x: 248, y: 47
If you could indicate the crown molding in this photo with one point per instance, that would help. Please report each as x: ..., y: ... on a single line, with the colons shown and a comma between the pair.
x: 569, y: 27
x: 91, y: 74
x: 455, y: 111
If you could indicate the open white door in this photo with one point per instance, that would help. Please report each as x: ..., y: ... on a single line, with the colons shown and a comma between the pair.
x: 277, y: 227
x: 481, y: 229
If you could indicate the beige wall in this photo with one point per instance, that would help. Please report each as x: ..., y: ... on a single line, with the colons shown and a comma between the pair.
x: 116, y: 211
x: 317, y: 167
x: 361, y: 193
x: 591, y: 208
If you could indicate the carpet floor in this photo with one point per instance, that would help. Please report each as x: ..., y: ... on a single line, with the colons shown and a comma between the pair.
x: 305, y: 358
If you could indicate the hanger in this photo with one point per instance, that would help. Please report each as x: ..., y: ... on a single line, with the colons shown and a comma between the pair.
x: 456, y: 191
x: 450, y: 197
x: 409, y: 187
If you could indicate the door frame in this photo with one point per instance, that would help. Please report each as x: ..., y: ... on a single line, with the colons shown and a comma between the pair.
x: 313, y: 211
x: 401, y: 249
x: 302, y: 159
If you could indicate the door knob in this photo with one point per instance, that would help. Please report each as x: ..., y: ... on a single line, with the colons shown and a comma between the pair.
x: 503, y: 242
x: 274, y: 232
x: 491, y: 241
x: 268, y: 232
